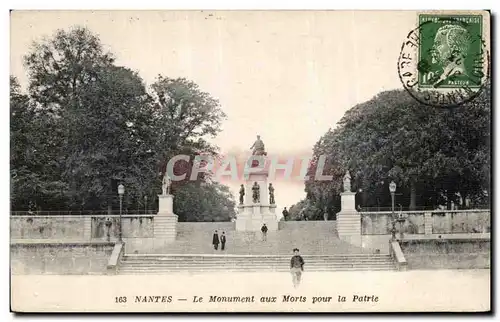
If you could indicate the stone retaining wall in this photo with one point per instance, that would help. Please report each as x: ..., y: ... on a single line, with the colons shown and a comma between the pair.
x: 447, y: 253
x: 80, y: 228
x: 58, y: 258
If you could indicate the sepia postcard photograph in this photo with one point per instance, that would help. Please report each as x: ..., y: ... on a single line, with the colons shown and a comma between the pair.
x: 250, y: 161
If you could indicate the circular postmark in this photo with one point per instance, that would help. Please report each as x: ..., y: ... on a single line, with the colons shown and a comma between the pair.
x: 444, y: 62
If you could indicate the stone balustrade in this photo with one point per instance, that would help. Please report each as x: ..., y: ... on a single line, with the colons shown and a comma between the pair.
x: 80, y: 227
x: 427, y: 222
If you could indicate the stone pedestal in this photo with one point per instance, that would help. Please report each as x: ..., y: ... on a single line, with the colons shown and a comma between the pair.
x: 251, y: 216
x: 165, y: 221
x: 349, y: 220
x: 166, y: 204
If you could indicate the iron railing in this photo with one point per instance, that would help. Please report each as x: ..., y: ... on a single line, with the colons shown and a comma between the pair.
x: 50, y: 213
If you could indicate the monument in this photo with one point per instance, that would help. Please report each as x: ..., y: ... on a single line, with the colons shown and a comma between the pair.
x: 349, y: 219
x: 165, y: 222
x: 257, y: 209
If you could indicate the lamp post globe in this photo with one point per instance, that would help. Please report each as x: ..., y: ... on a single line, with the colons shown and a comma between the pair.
x: 121, y: 190
x: 392, y: 187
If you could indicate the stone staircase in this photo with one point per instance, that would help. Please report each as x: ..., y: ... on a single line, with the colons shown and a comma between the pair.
x: 158, y: 264
x: 311, y: 237
x: 246, y: 251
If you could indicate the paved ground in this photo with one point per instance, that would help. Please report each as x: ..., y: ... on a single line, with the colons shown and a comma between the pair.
x: 432, y: 290
x: 281, y: 242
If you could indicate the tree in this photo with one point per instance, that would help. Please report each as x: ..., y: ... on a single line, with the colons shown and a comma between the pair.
x: 34, y: 172
x: 100, y: 117
x: 305, y: 210
x: 88, y: 125
x: 196, y: 201
x: 429, y: 152
x: 185, y: 116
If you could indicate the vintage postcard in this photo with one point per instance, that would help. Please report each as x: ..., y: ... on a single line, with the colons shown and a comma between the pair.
x: 250, y: 161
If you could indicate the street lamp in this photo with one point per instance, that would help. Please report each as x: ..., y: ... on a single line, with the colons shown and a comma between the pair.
x: 392, y: 189
x: 121, y: 191
x: 145, y: 204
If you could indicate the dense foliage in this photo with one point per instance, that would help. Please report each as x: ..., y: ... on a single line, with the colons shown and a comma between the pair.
x: 434, y: 155
x: 85, y: 125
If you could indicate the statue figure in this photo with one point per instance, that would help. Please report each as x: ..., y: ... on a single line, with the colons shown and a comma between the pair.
x: 166, y: 184
x: 258, y: 147
x: 256, y: 192
x: 271, y: 194
x: 242, y: 193
x: 347, y: 182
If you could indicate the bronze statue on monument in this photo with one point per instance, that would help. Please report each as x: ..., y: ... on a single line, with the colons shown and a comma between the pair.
x: 258, y: 147
x: 256, y: 192
x: 242, y: 194
x: 271, y: 194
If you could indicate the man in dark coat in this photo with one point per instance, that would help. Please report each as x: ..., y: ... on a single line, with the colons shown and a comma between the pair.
x: 215, y: 240
x: 263, y: 229
x: 296, y: 267
x: 222, y: 241
x: 285, y: 214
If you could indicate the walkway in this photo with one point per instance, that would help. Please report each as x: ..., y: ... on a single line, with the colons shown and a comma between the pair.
x: 435, y: 290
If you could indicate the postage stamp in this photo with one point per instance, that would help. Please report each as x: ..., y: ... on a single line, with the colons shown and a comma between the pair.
x: 250, y: 161
x: 444, y: 62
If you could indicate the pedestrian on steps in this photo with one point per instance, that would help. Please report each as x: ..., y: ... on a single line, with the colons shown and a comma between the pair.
x: 285, y: 214
x: 264, y: 232
x: 296, y: 267
x: 222, y: 241
x: 215, y: 240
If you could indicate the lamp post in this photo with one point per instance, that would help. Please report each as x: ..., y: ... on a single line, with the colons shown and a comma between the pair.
x: 145, y: 204
x: 392, y: 189
x: 121, y: 191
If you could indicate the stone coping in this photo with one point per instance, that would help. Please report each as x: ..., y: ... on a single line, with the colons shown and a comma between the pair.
x: 397, y: 254
x: 82, y: 216
x: 115, y: 258
x: 59, y: 242
x: 396, y: 212
x: 447, y: 237
x: 249, y: 256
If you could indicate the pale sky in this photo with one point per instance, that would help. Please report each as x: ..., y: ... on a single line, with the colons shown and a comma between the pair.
x: 288, y: 76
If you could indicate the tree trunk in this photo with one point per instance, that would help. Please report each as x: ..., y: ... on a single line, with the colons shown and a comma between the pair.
x: 413, y: 196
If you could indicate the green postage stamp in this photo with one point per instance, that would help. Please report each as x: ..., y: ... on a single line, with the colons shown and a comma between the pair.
x: 445, y: 61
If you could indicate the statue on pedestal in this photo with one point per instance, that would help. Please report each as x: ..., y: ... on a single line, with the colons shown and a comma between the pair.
x: 271, y: 194
x: 347, y: 182
x: 258, y: 147
x: 242, y: 193
x: 256, y: 192
x: 166, y: 184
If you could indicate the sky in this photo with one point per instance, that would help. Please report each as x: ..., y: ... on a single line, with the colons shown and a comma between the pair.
x: 288, y: 76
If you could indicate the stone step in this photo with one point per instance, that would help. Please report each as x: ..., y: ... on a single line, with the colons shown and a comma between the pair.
x: 254, y: 261
x: 148, y: 264
x: 250, y: 269
x: 220, y: 256
x: 201, y: 263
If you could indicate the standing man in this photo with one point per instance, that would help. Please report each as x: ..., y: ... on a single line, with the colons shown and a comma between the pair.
x: 296, y: 267
x: 264, y: 232
x: 285, y: 214
x: 215, y: 240
x: 222, y: 241
x: 242, y: 194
